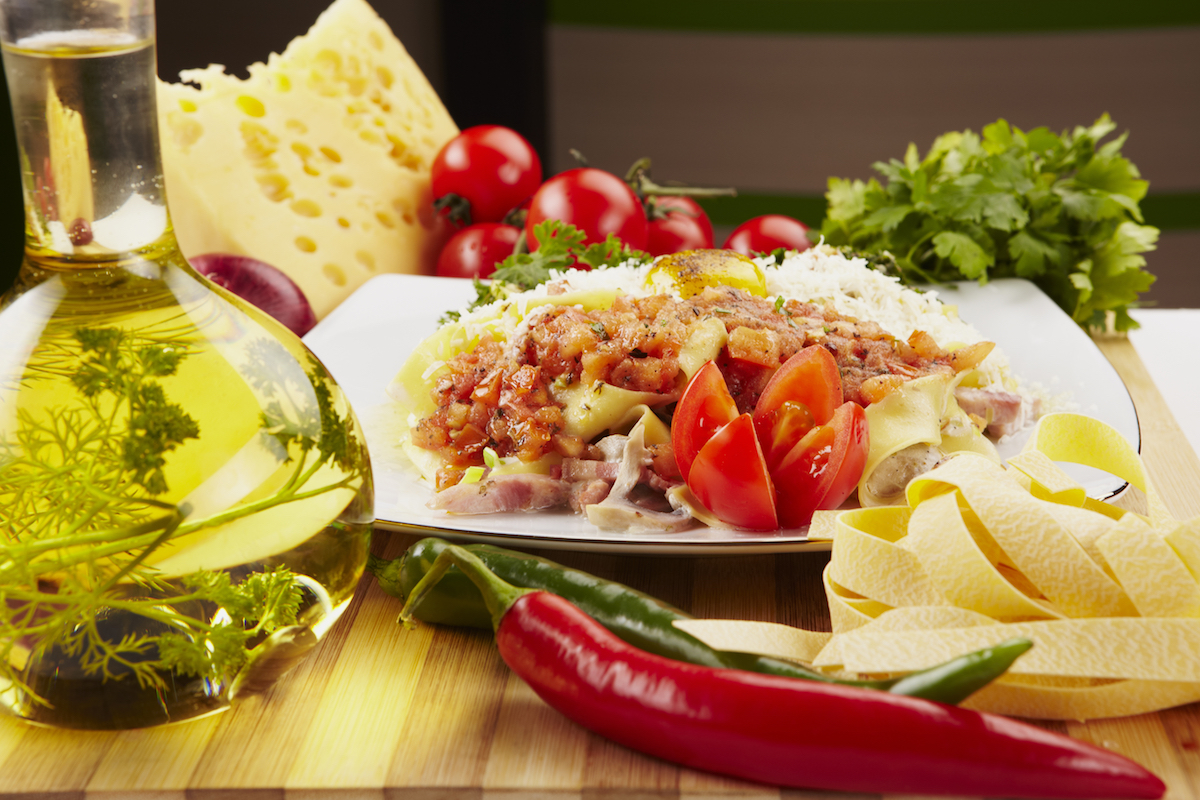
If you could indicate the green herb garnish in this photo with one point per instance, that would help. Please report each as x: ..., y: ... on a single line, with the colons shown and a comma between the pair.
x: 1060, y: 210
x: 560, y: 247
x: 81, y: 512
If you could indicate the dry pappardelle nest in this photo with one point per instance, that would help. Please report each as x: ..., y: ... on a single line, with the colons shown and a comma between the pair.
x: 982, y: 553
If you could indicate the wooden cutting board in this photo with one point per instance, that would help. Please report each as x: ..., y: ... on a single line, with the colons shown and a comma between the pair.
x: 432, y: 713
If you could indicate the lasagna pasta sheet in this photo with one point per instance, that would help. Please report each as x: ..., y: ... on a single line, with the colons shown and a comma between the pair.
x: 982, y: 553
x: 921, y: 412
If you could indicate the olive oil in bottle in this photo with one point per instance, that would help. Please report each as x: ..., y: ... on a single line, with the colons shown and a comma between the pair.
x: 185, y: 494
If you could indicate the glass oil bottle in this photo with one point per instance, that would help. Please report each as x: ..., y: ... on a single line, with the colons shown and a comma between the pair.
x: 185, y: 494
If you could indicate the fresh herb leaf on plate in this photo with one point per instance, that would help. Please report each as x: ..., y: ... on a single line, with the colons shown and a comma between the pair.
x: 562, y: 247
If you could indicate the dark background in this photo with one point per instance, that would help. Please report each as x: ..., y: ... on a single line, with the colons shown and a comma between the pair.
x: 706, y: 87
x: 497, y: 74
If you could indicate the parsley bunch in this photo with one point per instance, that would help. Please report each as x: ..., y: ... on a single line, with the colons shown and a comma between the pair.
x: 561, y: 246
x: 1059, y: 210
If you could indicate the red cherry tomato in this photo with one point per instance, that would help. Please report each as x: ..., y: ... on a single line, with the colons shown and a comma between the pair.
x: 729, y: 476
x: 595, y: 201
x: 491, y: 167
x: 677, y: 223
x: 766, y: 233
x: 475, y: 251
x: 823, y: 468
x: 810, y: 379
x: 704, y: 408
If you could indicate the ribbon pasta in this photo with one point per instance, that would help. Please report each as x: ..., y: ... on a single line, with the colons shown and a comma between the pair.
x: 983, y: 552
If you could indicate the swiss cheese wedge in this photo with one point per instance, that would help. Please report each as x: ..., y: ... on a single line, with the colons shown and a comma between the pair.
x: 318, y: 163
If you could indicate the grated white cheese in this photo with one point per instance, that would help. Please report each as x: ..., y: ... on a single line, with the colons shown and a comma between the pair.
x: 433, y: 367
x: 822, y: 274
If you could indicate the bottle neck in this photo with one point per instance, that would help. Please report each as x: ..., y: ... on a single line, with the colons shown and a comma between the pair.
x: 87, y: 130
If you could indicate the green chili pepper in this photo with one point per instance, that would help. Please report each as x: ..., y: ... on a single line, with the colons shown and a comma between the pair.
x: 645, y: 622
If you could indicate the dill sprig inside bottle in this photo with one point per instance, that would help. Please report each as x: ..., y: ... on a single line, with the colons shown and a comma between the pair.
x: 81, y: 514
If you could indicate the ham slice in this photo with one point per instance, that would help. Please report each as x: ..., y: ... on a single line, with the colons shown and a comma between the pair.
x: 494, y: 495
x: 618, y: 512
x: 1006, y: 412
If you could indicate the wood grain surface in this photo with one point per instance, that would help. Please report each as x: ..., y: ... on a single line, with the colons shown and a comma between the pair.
x: 433, y: 714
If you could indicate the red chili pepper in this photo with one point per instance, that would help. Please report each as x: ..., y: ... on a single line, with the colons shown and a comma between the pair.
x: 776, y: 730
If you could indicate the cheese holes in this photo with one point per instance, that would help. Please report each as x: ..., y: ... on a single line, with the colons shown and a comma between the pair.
x: 260, y: 142
x: 184, y: 129
x: 385, y: 219
x: 305, y: 153
x: 305, y: 244
x: 328, y: 62
x: 306, y: 208
x: 366, y: 259
x: 385, y: 77
x: 251, y: 106
x: 405, y: 211
x: 341, y: 181
x: 399, y: 146
x: 342, y: 221
x: 335, y: 274
x: 331, y: 154
x: 275, y: 187
x: 376, y: 40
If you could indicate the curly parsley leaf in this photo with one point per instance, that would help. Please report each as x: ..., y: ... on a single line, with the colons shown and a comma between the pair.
x: 561, y: 247
x: 262, y: 603
x: 1058, y: 209
x: 558, y: 245
x: 611, y: 252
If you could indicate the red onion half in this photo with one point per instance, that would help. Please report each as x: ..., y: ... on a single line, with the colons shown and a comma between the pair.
x: 261, y: 285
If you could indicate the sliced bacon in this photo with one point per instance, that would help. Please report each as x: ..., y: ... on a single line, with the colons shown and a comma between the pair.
x: 1006, y: 412
x: 520, y: 492
x: 619, y: 511
x: 581, y: 469
x: 586, y: 493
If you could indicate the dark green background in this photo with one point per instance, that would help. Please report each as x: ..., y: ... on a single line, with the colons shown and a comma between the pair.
x: 876, y: 16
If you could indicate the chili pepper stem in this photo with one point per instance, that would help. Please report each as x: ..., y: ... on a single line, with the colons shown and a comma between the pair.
x: 498, y: 595
x: 387, y: 573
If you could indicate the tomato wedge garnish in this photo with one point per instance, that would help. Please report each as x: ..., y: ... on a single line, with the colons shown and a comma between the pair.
x: 808, y: 452
x: 790, y: 422
x: 729, y: 476
x: 810, y: 377
x: 705, y: 407
x: 823, y: 468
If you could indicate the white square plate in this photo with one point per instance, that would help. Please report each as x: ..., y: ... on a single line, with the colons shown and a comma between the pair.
x: 367, y: 338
